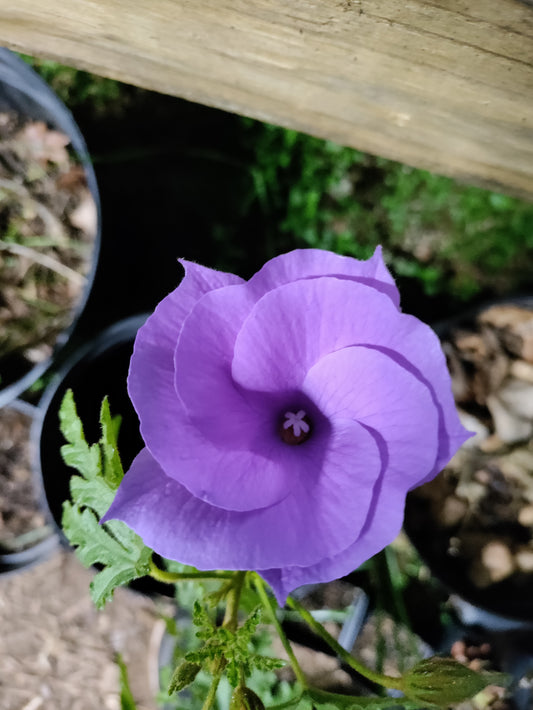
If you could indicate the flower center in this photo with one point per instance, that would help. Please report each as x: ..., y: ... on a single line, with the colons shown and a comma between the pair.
x: 296, y: 428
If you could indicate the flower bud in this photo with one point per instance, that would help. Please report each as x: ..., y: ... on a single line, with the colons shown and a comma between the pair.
x: 245, y: 699
x: 183, y: 676
x: 443, y: 681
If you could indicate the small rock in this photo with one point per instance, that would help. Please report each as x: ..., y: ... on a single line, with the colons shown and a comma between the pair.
x: 497, y: 559
x: 471, y: 345
x: 458, y: 651
x: 509, y: 425
x: 525, y: 516
x: 453, y: 510
x: 471, y: 491
x: 482, y: 476
x: 517, y: 396
x: 524, y: 559
x: 522, y: 370
x: 492, y: 444
x: 506, y: 315
x: 516, y: 325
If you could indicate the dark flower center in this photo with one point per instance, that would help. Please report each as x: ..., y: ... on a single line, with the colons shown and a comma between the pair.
x: 295, y: 428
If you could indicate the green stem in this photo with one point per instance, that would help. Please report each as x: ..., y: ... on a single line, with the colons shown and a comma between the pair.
x: 233, y: 600
x: 162, y: 575
x: 384, y: 680
x: 267, y: 603
x: 212, y: 692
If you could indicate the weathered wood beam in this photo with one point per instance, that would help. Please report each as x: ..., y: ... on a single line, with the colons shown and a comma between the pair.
x: 441, y: 84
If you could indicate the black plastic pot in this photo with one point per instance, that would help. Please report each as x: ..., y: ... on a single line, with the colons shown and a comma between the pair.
x: 23, y: 92
x: 30, y: 548
x: 503, y: 605
x: 96, y: 370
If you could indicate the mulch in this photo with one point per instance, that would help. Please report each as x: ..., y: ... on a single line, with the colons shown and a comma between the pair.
x: 48, y: 223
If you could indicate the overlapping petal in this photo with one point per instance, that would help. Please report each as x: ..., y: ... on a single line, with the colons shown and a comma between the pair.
x: 316, y: 317
x: 311, y: 263
x: 381, y: 528
x: 318, y: 522
x: 385, y: 397
x: 333, y: 314
x: 151, y: 375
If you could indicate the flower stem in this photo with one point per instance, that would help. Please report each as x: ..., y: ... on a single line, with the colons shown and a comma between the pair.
x: 162, y: 575
x: 212, y: 692
x: 233, y: 598
x: 267, y: 603
x: 383, y: 680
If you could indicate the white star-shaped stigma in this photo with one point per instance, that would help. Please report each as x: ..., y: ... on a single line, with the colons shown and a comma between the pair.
x: 296, y: 422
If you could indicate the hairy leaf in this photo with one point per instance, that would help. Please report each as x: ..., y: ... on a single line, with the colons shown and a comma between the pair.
x: 114, y: 546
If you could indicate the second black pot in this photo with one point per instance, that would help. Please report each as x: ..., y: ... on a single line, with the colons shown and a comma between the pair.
x: 98, y: 369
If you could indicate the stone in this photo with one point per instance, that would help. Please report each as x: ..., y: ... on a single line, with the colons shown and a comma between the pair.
x: 524, y: 559
x: 497, y: 559
x: 508, y: 424
x: 517, y: 396
x: 452, y: 511
x: 522, y: 370
x: 525, y: 516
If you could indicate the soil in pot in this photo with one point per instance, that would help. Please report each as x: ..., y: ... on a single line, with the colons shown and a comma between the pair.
x: 22, y: 520
x: 48, y: 220
x: 474, y: 523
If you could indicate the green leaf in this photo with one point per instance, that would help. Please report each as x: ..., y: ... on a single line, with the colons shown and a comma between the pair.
x: 113, y: 471
x: 114, y: 546
x: 96, y: 546
x: 127, y: 701
x: 77, y: 453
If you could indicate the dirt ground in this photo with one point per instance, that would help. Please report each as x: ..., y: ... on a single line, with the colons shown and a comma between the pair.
x: 57, y: 651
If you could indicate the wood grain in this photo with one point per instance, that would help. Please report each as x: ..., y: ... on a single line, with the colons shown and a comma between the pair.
x: 441, y: 84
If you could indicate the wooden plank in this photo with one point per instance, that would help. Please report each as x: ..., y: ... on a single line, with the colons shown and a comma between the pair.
x: 441, y: 84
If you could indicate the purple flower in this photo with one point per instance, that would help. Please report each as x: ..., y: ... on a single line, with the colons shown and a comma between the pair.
x: 285, y: 418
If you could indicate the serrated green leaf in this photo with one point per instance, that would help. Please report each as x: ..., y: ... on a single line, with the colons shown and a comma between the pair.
x: 96, y: 546
x: 105, y: 582
x: 77, y: 453
x: 266, y: 663
x: 92, y: 493
x: 251, y: 623
x: 112, y: 466
x: 70, y: 424
x: 113, y: 545
x: 84, y: 458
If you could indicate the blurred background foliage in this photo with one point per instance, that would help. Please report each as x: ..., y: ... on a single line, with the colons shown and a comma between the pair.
x: 275, y: 189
